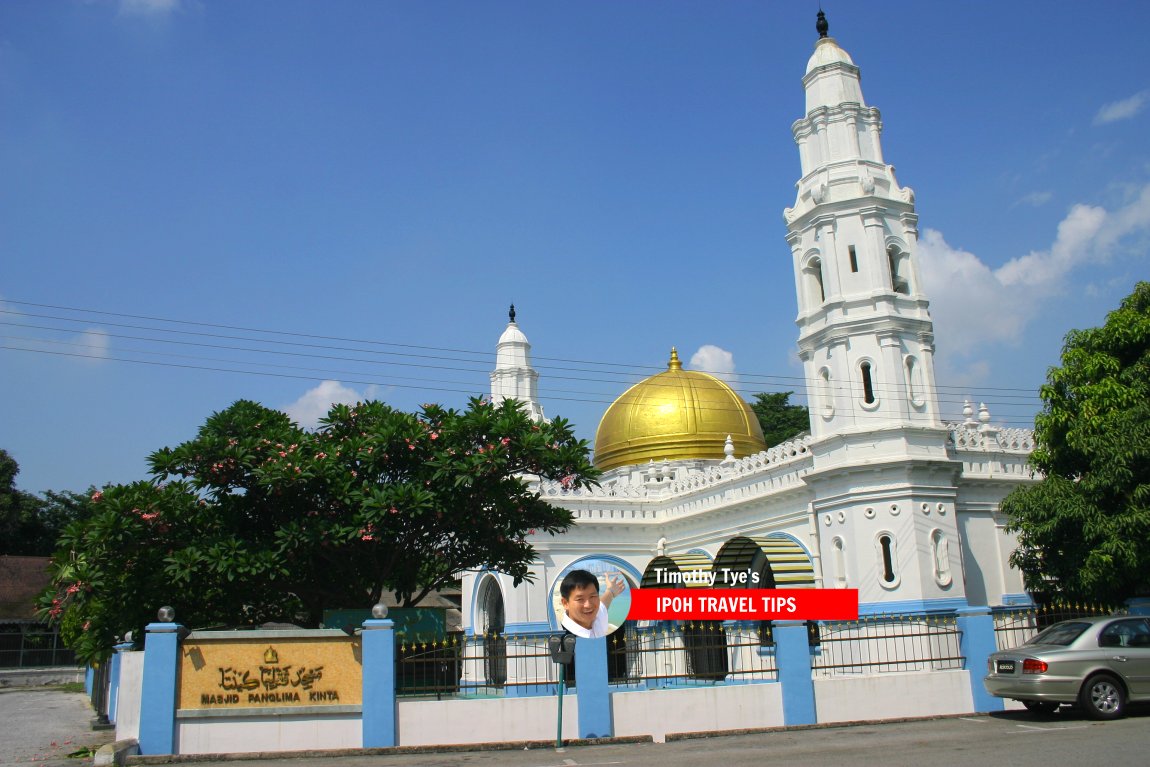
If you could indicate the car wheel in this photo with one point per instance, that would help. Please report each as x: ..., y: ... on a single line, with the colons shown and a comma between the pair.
x: 1102, y: 697
x: 1040, y: 706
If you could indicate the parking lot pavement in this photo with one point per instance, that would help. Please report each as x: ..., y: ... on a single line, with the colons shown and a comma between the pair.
x: 42, y: 726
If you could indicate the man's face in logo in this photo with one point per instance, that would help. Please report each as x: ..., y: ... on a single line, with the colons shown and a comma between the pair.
x: 582, y: 604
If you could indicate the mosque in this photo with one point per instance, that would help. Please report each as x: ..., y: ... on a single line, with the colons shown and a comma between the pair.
x: 882, y: 495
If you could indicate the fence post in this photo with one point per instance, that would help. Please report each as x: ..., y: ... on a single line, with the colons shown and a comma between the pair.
x: 976, y: 625
x: 591, y: 689
x: 379, y: 707
x: 158, y: 687
x: 793, y: 660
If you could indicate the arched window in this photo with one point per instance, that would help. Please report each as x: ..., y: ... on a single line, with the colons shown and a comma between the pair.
x: 899, y: 270
x: 840, y: 561
x: 914, y: 385
x: 826, y: 393
x: 816, y: 290
x: 867, y: 382
x: 940, y: 551
x: 886, y: 548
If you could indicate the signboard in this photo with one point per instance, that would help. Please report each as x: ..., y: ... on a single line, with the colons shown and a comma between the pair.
x: 262, y: 672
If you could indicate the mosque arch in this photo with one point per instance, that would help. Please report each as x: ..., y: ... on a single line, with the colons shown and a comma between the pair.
x: 867, y: 377
x: 704, y: 641
x: 777, y: 561
x: 490, y: 622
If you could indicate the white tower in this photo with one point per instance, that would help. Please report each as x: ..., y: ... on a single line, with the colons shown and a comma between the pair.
x: 884, y: 487
x: 513, y: 377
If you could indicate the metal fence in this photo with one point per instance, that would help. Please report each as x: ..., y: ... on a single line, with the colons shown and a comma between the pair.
x: 886, y: 643
x: 1014, y: 626
x: 690, y: 653
x: 491, y: 665
x: 30, y: 645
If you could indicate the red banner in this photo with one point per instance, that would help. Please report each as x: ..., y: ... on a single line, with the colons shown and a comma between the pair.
x: 743, y: 604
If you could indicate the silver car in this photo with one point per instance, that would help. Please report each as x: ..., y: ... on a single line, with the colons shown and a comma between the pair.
x: 1099, y: 663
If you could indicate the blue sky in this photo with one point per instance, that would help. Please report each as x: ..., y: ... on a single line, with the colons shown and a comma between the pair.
x: 395, y: 173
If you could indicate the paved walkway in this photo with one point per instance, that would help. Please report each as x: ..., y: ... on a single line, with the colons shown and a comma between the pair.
x: 41, y: 726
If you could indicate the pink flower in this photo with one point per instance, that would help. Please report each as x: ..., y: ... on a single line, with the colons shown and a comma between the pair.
x: 505, y: 441
x: 434, y: 435
x: 96, y: 496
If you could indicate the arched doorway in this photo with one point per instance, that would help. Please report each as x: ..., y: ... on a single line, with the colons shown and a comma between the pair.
x: 491, y: 621
x: 704, y: 641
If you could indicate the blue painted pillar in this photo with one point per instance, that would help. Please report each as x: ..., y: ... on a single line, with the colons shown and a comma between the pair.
x: 595, y: 720
x: 89, y: 681
x: 114, y: 680
x: 158, y: 690
x: 793, y: 660
x: 380, y: 722
x: 976, y: 625
x: 1138, y: 605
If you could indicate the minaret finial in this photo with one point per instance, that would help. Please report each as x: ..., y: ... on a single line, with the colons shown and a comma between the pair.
x: 674, y: 364
x: 821, y: 25
x: 511, y: 314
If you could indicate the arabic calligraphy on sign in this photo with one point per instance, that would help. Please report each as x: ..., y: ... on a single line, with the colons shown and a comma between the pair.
x: 243, y: 673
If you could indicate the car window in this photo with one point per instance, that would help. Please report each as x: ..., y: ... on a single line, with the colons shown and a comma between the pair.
x: 1060, y: 633
x: 1127, y: 633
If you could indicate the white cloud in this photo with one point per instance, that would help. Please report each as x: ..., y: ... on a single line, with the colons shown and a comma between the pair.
x: 148, y: 7
x: 1122, y: 110
x: 715, y: 360
x: 95, y: 343
x: 973, y: 305
x: 315, y: 402
x: 1035, y: 199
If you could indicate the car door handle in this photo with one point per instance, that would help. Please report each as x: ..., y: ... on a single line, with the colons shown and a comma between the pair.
x: 1121, y: 658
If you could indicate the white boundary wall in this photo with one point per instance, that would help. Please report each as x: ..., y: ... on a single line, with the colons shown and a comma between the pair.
x: 287, y: 732
x: 893, y: 695
x: 730, y: 707
x: 128, y: 698
x: 487, y: 720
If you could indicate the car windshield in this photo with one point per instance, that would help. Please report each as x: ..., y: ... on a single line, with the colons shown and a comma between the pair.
x: 1060, y: 633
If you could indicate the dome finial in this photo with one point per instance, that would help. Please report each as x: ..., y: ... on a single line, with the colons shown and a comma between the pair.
x: 821, y: 26
x: 674, y: 364
x: 511, y: 314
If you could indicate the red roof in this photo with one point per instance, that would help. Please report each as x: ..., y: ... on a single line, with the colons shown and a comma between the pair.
x: 22, y: 579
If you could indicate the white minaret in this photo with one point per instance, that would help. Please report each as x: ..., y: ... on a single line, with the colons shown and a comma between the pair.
x: 513, y: 377
x: 884, y: 487
x: 866, y: 338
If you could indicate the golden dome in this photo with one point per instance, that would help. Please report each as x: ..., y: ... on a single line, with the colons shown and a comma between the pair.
x: 676, y: 415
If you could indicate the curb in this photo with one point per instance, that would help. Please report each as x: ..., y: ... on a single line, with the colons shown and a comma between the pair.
x: 116, y: 753
x: 520, y: 745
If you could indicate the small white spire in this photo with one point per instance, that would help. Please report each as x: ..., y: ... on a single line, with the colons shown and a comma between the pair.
x: 968, y: 414
x: 729, y: 450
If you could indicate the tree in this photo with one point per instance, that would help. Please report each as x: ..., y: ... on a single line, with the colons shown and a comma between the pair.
x: 257, y: 519
x: 1084, y: 529
x: 780, y: 419
x: 30, y: 525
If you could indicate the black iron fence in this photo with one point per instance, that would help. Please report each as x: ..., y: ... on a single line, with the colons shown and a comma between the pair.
x: 1014, y: 626
x: 31, y: 645
x: 690, y: 653
x: 885, y: 643
x: 495, y: 664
